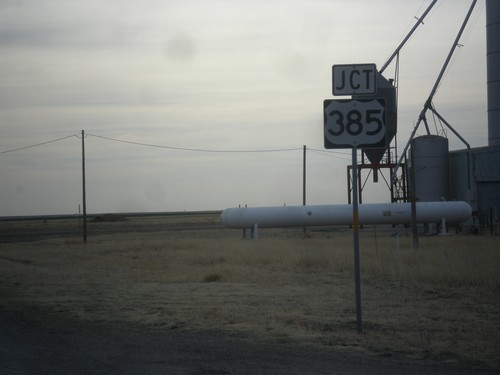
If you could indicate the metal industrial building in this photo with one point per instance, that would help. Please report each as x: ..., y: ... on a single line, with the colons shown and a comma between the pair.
x: 474, y: 174
x: 474, y: 177
x: 433, y: 173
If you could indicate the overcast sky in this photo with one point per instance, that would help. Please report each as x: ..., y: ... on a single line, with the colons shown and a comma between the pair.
x: 225, y: 75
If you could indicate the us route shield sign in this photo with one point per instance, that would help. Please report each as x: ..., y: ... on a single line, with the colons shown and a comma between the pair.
x: 351, y: 123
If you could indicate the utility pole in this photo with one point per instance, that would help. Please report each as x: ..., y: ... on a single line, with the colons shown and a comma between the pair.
x: 84, y: 202
x: 414, y: 228
x: 304, y: 177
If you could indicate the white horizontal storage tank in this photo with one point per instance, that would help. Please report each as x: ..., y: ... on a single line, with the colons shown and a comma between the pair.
x: 429, y: 162
x: 341, y: 214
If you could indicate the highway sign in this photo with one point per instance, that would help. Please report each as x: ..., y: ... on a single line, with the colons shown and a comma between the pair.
x: 354, y: 79
x: 350, y: 123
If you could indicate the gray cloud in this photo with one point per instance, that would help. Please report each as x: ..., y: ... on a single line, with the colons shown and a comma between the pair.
x: 181, y: 47
x: 221, y: 74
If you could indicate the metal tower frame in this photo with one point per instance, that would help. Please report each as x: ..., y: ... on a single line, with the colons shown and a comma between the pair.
x: 397, y: 184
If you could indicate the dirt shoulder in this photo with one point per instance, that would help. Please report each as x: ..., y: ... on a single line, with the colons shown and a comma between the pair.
x: 37, y: 342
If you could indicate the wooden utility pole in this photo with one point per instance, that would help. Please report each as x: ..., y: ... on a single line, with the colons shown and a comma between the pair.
x: 304, y: 177
x: 84, y: 202
x: 304, y: 180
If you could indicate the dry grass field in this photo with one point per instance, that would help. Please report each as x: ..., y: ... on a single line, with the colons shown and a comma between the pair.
x: 439, y: 303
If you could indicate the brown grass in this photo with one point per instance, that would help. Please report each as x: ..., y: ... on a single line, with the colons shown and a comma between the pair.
x: 439, y: 303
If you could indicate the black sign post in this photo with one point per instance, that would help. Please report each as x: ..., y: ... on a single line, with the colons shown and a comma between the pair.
x: 355, y: 229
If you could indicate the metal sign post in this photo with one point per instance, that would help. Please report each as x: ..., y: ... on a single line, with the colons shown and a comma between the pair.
x: 355, y: 124
x: 355, y: 230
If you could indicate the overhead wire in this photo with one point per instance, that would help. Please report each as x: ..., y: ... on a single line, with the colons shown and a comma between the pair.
x: 38, y: 144
x: 330, y: 153
x: 191, y: 149
x: 144, y: 144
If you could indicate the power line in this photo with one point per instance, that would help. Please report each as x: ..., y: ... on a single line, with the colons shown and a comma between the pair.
x: 36, y: 145
x: 332, y: 154
x: 191, y: 149
x: 324, y: 152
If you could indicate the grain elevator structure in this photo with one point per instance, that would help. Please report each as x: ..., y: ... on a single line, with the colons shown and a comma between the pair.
x: 428, y: 171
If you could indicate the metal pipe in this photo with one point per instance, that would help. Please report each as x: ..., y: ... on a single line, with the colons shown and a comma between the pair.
x: 420, y: 21
x: 450, y: 54
x: 433, y: 110
x: 428, y: 103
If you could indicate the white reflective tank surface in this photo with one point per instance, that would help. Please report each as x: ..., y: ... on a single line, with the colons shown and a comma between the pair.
x: 341, y: 214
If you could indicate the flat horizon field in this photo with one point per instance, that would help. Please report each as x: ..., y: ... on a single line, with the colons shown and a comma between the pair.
x: 438, y: 304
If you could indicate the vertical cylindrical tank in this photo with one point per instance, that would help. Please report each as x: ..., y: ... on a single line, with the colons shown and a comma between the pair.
x: 493, y: 70
x: 429, y: 167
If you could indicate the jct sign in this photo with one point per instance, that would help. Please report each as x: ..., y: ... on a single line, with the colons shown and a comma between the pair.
x: 353, y: 123
x: 354, y: 79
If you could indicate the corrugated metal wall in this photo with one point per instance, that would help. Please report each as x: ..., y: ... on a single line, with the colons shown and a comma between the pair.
x: 475, y: 178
